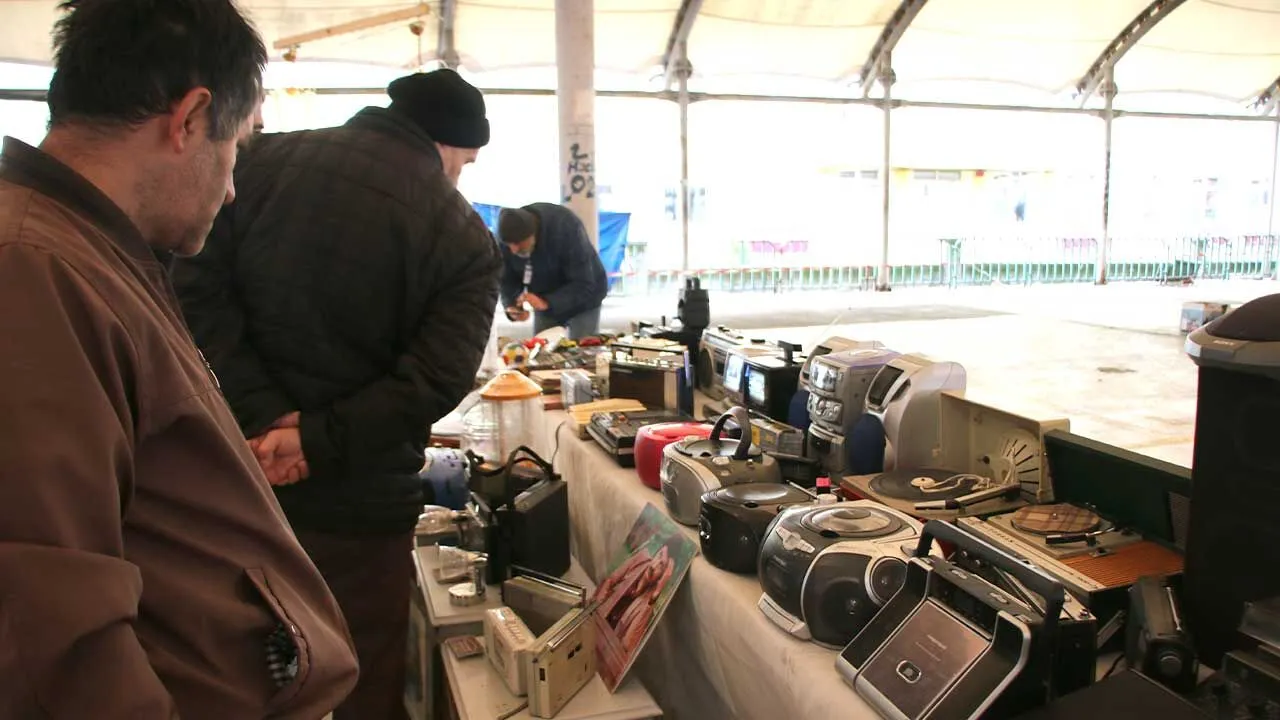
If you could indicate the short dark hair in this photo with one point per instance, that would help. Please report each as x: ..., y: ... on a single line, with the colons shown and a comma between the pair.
x: 121, y: 62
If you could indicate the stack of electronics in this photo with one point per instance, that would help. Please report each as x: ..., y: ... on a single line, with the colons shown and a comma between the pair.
x: 541, y: 642
x: 1063, y: 551
x: 837, y: 385
x: 517, y: 515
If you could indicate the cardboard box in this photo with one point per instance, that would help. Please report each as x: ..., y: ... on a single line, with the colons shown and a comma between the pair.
x: 1198, y: 314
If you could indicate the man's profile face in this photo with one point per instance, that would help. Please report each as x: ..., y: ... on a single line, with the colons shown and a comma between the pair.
x: 197, y: 178
x: 454, y: 159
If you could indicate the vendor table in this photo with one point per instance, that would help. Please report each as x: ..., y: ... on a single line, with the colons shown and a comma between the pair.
x: 713, y: 654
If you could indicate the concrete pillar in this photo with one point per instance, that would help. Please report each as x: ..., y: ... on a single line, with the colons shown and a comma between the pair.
x: 683, y: 70
x: 887, y: 78
x: 1108, y: 91
x: 575, y: 91
x: 1271, y: 198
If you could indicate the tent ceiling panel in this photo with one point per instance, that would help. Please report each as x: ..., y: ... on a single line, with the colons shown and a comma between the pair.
x: 500, y: 34
x: 25, y: 30
x: 1224, y: 48
x: 957, y: 49
x: 1046, y: 44
x: 823, y: 39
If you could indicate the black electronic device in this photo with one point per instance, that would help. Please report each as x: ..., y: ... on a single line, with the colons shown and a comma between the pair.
x: 523, y: 512
x: 734, y: 520
x: 1247, y: 685
x: 770, y: 381
x: 1156, y: 643
x: 616, y: 431
x: 1236, y: 473
x: 1079, y: 634
x: 826, y: 569
x: 694, y: 308
x: 952, y: 646
x: 713, y: 353
x: 1124, y: 696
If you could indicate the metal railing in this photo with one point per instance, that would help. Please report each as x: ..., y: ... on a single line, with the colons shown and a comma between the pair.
x: 977, y: 261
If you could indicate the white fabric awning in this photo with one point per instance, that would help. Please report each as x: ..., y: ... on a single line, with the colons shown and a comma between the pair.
x: 1011, y: 51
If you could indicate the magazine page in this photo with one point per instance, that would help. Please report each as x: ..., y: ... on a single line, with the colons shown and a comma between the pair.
x: 643, y: 577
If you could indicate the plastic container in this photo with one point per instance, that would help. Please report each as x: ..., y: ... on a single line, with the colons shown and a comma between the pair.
x: 508, y: 415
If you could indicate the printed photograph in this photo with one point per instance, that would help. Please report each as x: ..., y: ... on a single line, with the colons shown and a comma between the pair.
x: 641, y: 582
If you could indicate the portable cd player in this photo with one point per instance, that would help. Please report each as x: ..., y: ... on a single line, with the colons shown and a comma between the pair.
x: 827, y: 569
x: 692, y: 466
x: 651, y: 440
x: 735, y: 519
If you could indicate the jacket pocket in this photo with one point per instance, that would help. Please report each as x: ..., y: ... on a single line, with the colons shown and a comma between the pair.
x: 322, y: 669
x: 288, y: 690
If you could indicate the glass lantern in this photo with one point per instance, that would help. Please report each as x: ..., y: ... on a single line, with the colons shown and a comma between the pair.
x: 508, y: 415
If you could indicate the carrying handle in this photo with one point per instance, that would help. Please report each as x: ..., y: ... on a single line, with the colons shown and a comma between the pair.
x: 1032, y: 577
x: 743, y: 420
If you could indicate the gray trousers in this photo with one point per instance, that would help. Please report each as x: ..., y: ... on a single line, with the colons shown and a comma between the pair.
x: 584, y: 324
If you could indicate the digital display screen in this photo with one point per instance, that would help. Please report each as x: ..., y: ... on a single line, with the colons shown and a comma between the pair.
x: 757, y: 387
x: 876, y: 396
x: 733, y: 373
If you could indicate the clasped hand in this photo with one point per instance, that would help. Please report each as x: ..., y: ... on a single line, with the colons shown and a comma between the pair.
x: 279, y: 451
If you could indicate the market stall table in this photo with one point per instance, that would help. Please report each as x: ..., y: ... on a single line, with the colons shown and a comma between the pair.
x: 713, y: 654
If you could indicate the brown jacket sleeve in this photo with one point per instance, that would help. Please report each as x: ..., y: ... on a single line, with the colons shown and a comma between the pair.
x: 69, y: 392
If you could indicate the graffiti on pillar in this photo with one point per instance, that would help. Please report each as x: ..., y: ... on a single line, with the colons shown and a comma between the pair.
x: 580, y: 174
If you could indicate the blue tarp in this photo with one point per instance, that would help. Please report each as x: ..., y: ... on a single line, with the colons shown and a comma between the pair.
x: 613, y: 235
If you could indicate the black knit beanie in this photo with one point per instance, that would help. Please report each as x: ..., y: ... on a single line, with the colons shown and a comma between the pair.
x: 450, y: 109
x: 515, y: 225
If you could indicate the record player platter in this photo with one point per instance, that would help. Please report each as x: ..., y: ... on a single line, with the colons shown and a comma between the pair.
x: 925, y: 484
x: 852, y: 522
x: 1056, y: 519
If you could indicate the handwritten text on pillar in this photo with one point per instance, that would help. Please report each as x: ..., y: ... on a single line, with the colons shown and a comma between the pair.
x: 581, y: 175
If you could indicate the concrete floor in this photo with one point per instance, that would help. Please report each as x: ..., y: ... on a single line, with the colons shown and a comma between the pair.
x: 1108, y: 358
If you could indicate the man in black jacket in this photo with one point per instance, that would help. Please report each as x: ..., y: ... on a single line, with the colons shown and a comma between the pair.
x: 344, y: 301
x: 550, y: 265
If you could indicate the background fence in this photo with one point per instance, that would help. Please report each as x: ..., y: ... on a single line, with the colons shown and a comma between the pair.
x: 997, y: 260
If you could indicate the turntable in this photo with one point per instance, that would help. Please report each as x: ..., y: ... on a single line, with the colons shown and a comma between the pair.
x: 1088, y: 553
x: 827, y: 569
x: 987, y: 461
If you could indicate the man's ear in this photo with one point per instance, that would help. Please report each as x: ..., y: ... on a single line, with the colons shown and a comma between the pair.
x: 189, y: 116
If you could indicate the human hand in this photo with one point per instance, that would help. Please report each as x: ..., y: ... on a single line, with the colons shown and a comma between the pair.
x: 279, y: 452
x: 292, y: 420
x: 517, y: 314
x: 538, y: 303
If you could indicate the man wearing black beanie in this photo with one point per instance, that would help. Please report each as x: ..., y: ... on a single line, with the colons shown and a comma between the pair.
x: 449, y: 109
x: 344, y: 302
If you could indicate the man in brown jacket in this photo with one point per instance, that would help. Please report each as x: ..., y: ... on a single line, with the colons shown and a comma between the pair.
x: 146, y: 570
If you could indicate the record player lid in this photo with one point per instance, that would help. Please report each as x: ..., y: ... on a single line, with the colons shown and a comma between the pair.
x: 757, y: 494
x: 851, y: 522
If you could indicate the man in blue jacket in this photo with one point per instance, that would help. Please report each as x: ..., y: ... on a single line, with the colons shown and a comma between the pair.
x: 550, y: 265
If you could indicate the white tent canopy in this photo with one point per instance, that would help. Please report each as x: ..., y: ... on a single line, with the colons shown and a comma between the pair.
x: 1011, y: 51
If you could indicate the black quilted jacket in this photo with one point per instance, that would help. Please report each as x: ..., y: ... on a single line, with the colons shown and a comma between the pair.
x: 352, y: 282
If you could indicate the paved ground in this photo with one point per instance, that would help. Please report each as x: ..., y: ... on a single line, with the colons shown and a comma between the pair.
x: 1108, y: 358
